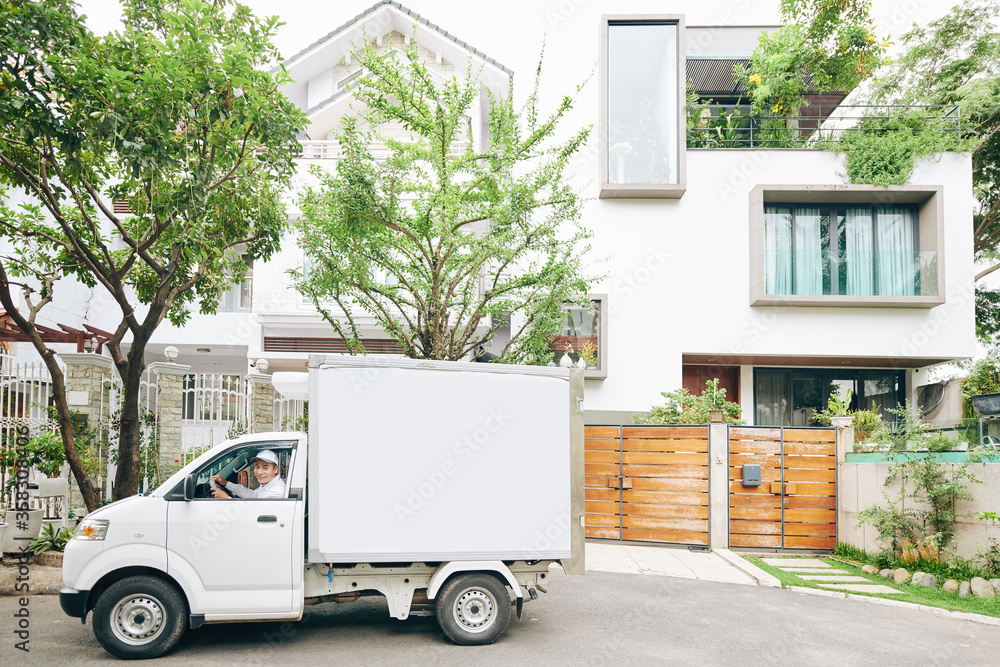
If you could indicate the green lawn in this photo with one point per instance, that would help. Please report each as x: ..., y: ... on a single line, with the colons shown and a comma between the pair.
x: 916, y: 594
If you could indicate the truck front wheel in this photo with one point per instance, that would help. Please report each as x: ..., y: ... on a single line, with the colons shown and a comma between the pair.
x: 140, y: 617
x: 473, y: 609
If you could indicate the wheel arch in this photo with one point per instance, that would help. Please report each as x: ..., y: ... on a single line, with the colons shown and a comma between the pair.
x: 115, y: 576
x: 450, y: 569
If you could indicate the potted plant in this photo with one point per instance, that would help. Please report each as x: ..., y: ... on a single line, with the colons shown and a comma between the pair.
x: 49, y: 546
x: 43, y: 453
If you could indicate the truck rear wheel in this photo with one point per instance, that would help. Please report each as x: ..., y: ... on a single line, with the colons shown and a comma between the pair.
x: 140, y: 617
x: 473, y: 609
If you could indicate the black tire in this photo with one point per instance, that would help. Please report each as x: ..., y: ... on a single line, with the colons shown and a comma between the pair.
x: 473, y: 609
x: 140, y: 617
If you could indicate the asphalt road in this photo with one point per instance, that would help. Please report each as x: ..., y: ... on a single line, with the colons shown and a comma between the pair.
x: 597, y: 619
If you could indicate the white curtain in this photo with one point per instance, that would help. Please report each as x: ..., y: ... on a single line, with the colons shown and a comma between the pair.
x: 777, y: 250
x: 808, y: 251
x: 896, y: 259
x: 859, y: 251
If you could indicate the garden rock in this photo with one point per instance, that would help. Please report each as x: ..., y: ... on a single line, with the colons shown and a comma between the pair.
x: 928, y: 581
x: 996, y: 585
x: 950, y: 586
x: 917, y: 578
x: 900, y: 575
x: 963, y: 589
x: 886, y: 573
x: 871, y: 569
x: 982, y: 588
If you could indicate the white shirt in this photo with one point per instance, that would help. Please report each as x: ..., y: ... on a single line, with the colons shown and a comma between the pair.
x: 273, y: 489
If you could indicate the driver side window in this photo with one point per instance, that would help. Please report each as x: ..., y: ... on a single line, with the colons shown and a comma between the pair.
x: 236, y: 466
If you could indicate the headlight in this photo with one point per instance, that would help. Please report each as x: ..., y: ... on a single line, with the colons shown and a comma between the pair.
x: 91, y: 529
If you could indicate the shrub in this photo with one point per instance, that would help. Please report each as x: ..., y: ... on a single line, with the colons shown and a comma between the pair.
x: 684, y: 408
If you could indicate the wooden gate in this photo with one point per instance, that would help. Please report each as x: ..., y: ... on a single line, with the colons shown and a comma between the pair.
x: 795, y: 506
x: 647, y: 483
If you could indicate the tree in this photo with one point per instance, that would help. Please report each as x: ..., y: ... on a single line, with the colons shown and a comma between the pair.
x: 825, y: 45
x: 178, y: 114
x: 438, y: 242
x: 956, y: 60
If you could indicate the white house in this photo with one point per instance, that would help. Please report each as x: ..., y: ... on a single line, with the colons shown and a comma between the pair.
x: 756, y: 265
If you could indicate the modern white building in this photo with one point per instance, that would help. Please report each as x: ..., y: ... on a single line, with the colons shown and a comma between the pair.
x: 753, y: 264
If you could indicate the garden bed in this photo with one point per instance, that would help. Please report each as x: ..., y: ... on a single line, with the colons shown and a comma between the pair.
x: 931, y: 597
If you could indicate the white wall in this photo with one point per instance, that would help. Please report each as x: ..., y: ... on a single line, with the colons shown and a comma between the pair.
x: 680, y: 279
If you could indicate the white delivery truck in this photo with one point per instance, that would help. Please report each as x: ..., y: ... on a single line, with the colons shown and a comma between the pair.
x: 446, y: 487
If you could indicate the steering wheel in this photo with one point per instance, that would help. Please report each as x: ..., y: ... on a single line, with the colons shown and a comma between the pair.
x: 204, y: 490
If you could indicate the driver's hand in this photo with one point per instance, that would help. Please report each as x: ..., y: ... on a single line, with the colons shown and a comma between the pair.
x: 218, y: 479
x: 219, y: 493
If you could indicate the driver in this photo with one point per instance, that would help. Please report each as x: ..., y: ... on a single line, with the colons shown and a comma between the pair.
x: 268, y: 473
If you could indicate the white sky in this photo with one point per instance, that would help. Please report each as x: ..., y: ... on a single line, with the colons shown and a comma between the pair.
x: 306, y: 21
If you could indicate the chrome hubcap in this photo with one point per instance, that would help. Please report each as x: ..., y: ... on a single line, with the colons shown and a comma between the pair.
x: 137, y: 619
x: 475, y: 610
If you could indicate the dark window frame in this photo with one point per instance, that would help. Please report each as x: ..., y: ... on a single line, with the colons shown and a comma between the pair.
x: 824, y: 375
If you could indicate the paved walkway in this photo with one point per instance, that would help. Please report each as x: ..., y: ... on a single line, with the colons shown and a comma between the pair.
x: 719, y: 565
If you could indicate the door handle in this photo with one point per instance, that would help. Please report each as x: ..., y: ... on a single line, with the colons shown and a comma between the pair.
x: 267, y: 518
x: 619, y: 482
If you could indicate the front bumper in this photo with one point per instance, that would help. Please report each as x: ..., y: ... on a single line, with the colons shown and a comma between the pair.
x: 74, y: 602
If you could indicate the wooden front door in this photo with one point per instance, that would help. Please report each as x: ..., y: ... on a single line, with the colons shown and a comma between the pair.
x: 795, y: 505
x: 647, y: 483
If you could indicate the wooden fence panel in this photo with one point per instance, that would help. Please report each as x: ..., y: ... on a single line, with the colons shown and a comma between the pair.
x: 795, y: 505
x: 647, y: 483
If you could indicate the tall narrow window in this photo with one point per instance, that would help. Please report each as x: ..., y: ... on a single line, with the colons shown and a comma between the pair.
x: 641, y: 120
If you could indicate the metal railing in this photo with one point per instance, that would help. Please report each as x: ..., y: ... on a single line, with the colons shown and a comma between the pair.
x: 737, y: 126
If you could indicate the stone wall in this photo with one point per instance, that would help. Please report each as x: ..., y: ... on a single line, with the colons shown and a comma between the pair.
x: 169, y: 413
x: 261, y: 403
x: 863, y: 484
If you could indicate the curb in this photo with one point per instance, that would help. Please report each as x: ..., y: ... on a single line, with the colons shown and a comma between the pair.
x: 41, y: 580
x: 761, y: 577
x: 937, y: 611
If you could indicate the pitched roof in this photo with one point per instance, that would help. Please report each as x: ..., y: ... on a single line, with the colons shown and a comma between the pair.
x: 417, y: 19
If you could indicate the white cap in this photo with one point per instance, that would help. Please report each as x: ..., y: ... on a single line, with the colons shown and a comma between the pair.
x: 267, y: 456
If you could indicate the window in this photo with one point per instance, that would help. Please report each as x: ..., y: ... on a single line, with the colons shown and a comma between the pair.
x: 238, y: 298
x: 790, y: 397
x: 235, y: 466
x: 582, y: 339
x: 858, y: 246
x: 642, y: 72
x: 855, y: 250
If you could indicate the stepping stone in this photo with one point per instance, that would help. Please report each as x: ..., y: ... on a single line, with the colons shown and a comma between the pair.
x: 864, y: 588
x: 796, y: 562
x: 811, y: 570
x: 824, y: 577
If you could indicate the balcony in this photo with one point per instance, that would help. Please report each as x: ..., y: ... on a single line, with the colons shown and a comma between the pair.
x: 817, y: 126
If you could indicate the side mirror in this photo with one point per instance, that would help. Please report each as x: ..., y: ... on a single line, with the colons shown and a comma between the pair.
x: 190, y: 484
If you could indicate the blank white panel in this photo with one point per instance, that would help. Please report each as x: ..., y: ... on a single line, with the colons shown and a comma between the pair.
x: 414, y: 464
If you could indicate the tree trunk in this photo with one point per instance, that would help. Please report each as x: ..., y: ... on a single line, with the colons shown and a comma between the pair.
x: 91, y: 494
x: 130, y: 425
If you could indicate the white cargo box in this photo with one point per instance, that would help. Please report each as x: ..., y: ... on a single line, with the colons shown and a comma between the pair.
x: 418, y: 461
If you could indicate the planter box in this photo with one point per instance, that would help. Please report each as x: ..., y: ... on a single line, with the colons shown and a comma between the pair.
x: 49, y: 559
x: 986, y: 405
x: 14, y: 538
x: 948, y: 457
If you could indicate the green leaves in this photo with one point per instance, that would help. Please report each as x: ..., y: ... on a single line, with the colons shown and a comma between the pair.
x: 826, y: 45
x: 439, y: 240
